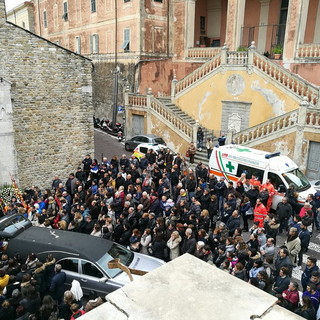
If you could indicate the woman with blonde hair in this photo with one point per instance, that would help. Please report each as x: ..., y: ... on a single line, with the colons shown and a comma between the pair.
x: 174, y: 245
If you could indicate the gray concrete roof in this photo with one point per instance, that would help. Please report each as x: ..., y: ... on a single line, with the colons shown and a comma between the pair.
x: 188, y: 288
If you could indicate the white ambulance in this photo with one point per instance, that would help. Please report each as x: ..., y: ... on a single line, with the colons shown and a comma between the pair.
x: 230, y: 161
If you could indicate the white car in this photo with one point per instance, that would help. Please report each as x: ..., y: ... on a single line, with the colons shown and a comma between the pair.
x: 143, y: 148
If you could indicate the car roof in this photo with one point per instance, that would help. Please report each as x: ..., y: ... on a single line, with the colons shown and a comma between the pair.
x: 146, y: 135
x: 52, y: 240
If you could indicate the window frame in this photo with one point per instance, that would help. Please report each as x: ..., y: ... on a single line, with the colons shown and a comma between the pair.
x: 78, y: 44
x: 93, y: 6
x: 65, y: 11
x: 45, y: 20
x: 126, y: 40
x: 94, y: 43
x: 83, y: 262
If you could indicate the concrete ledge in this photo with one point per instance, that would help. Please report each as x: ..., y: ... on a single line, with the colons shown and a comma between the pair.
x: 188, y: 287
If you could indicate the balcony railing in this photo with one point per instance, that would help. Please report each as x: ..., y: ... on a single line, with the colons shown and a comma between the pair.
x: 203, y: 53
x: 309, y: 51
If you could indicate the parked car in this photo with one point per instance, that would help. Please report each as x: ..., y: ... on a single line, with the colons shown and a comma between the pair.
x: 143, y: 148
x: 82, y: 257
x: 130, y: 144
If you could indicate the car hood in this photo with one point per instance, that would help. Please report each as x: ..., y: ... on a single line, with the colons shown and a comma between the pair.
x: 146, y: 263
x: 139, y: 262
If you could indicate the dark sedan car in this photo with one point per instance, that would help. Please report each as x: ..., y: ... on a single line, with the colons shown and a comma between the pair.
x: 130, y: 144
x: 83, y: 257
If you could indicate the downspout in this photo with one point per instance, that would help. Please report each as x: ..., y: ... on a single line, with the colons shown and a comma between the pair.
x: 39, y: 19
x: 168, y: 25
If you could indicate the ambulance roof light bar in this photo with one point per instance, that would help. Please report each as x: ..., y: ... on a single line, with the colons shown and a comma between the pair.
x: 271, y: 155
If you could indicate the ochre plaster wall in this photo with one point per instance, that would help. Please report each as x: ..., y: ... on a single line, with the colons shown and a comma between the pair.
x: 204, y: 101
x: 173, y: 140
x: 284, y: 144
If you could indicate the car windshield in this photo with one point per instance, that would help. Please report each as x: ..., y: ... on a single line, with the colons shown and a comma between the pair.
x: 298, y: 179
x: 116, y: 251
x: 159, y: 141
x: 9, y: 228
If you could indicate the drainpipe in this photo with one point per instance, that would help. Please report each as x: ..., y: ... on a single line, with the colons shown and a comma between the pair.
x: 39, y: 19
x: 168, y: 25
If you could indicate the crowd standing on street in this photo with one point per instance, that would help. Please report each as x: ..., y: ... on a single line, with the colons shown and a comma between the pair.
x: 161, y: 206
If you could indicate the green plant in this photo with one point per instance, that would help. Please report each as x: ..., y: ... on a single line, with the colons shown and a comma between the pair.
x: 277, y: 49
x: 242, y: 48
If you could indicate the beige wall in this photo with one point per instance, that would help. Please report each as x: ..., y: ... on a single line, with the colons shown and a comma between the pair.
x: 23, y: 16
x: 284, y: 144
x: 204, y: 102
x: 173, y: 140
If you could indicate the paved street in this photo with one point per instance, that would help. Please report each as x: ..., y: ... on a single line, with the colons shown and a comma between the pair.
x: 106, y: 145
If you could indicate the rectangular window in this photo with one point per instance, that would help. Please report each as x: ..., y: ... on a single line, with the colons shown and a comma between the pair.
x: 65, y: 11
x: 45, y: 19
x: 78, y: 45
x: 93, y: 6
x: 94, y: 43
x: 203, y: 25
x: 157, y: 1
x: 126, y: 40
x: 126, y: 1
x: 249, y: 171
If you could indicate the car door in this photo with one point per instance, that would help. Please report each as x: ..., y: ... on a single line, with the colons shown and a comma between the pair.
x: 136, y: 141
x: 71, y: 266
x: 92, y: 279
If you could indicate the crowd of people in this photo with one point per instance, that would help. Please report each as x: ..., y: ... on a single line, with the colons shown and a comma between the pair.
x: 162, y: 207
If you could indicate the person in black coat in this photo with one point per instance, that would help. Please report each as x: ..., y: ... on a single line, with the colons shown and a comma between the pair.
x: 284, y: 212
x: 233, y: 222
x: 57, y: 284
x: 282, y: 281
x: 205, y: 199
x: 158, y: 247
x: 304, y: 236
x: 220, y: 189
x: 189, y: 243
x: 125, y: 238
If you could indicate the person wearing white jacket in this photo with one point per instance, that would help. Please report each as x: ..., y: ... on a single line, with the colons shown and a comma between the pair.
x: 174, y: 245
x: 145, y: 241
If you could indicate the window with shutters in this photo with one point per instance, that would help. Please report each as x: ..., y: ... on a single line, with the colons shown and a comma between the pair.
x: 93, y: 6
x: 94, y: 43
x: 78, y: 45
x: 45, y: 24
x: 65, y: 11
x: 126, y: 40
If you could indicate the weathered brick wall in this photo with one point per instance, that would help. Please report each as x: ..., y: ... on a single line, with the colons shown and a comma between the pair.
x: 52, y: 104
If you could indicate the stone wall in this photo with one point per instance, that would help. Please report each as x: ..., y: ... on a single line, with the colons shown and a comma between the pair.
x: 51, y: 92
x: 103, y: 83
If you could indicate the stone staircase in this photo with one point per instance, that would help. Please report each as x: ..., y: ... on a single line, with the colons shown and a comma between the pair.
x: 186, y: 126
x: 200, y: 155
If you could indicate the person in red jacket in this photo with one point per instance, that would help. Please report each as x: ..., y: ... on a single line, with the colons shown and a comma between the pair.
x: 260, y: 213
x: 290, y: 298
x: 271, y: 191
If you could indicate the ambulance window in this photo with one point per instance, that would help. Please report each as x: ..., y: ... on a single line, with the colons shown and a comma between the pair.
x: 275, y: 180
x: 249, y: 172
x: 143, y: 150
